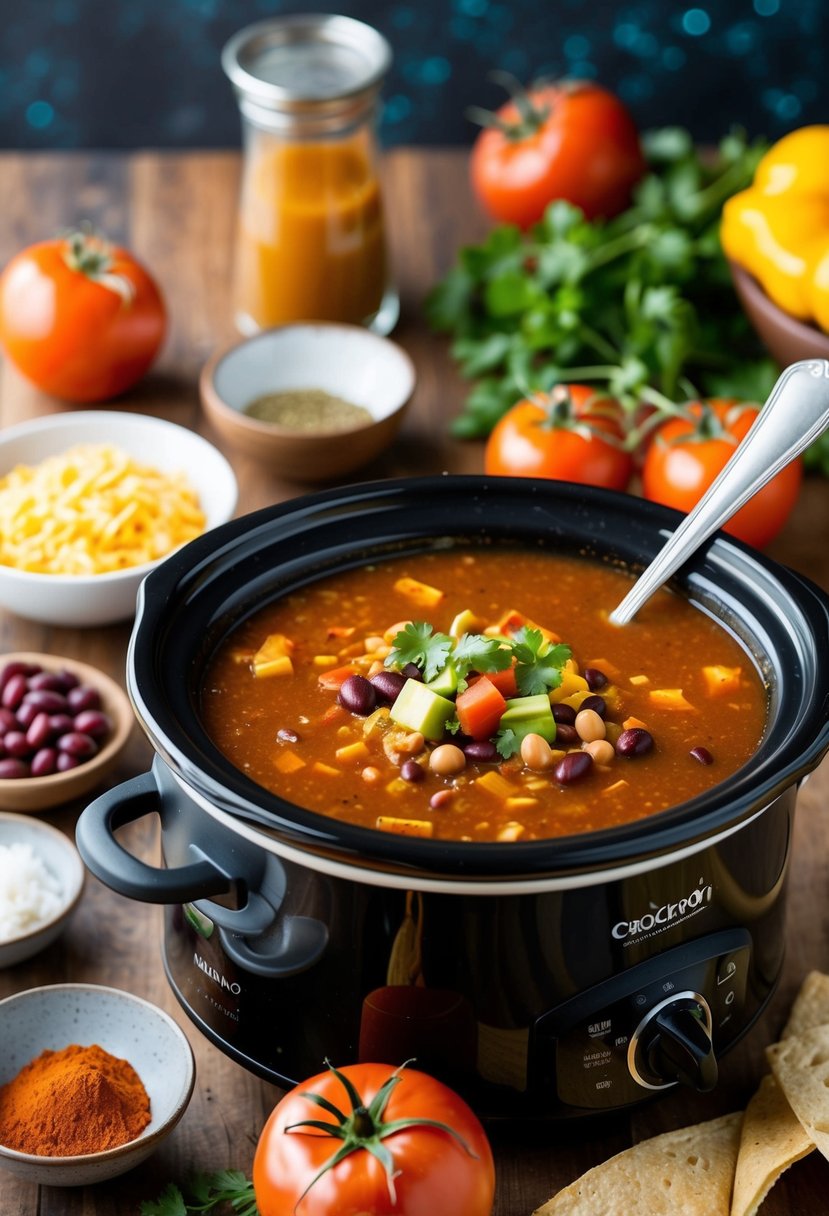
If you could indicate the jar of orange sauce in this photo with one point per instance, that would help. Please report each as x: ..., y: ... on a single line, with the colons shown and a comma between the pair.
x: 311, y: 240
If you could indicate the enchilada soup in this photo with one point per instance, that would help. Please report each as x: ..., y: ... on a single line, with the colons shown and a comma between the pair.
x: 482, y: 695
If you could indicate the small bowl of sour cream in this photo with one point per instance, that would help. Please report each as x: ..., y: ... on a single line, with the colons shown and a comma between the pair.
x: 312, y: 401
x: 41, y: 883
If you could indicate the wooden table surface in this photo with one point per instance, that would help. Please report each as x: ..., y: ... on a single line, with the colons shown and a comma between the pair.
x: 177, y: 213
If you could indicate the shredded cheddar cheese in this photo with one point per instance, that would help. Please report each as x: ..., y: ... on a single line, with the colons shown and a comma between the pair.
x: 93, y: 510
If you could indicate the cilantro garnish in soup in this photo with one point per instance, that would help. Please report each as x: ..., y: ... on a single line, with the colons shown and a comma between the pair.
x: 484, y: 696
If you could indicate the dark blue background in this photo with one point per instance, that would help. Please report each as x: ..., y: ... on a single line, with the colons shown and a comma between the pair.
x: 133, y: 73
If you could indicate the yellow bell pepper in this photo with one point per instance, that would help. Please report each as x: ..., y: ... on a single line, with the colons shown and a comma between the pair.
x: 778, y: 229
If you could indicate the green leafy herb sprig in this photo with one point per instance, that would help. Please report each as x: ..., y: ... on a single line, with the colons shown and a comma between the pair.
x: 642, y: 303
x: 229, y: 1189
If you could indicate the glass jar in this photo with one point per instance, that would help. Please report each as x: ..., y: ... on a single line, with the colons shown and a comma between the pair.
x: 311, y: 241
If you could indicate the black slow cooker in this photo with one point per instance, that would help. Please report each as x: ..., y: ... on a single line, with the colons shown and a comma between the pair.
x: 554, y: 977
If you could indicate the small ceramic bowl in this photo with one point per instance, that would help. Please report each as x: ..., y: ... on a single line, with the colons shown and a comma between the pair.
x: 62, y: 860
x: 38, y: 793
x: 99, y: 599
x: 126, y: 1026
x: 786, y: 339
x: 346, y: 361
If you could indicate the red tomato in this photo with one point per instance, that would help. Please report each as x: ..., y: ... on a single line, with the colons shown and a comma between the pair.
x: 430, y: 1170
x: 687, y: 454
x: 573, y: 141
x: 575, y: 438
x: 80, y: 318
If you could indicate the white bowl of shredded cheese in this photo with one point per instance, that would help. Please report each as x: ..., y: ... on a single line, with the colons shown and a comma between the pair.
x: 91, y: 501
x: 41, y: 881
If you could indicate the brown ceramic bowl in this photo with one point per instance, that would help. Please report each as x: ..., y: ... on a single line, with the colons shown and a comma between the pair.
x: 346, y: 361
x: 39, y: 793
x: 785, y: 338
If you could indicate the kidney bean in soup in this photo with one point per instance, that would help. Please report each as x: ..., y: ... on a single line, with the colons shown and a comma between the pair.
x: 482, y: 695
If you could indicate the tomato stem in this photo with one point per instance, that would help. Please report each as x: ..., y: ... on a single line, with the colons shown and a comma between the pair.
x: 364, y: 1127
x: 90, y: 254
x: 531, y: 116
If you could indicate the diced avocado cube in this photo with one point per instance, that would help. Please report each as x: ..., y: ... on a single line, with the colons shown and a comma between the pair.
x: 419, y: 708
x: 529, y: 716
x: 445, y: 683
x: 519, y: 708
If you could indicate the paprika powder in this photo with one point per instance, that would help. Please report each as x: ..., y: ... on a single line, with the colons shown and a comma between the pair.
x: 72, y: 1102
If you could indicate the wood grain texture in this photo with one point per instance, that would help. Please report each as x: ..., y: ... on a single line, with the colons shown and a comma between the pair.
x: 177, y: 213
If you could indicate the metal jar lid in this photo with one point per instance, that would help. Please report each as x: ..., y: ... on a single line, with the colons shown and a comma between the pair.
x: 312, y: 69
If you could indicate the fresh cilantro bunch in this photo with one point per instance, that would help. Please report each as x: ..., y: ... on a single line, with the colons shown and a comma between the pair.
x: 419, y: 644
x: 227, y: 1189
x: 642, y: 303
x: 538, y: 666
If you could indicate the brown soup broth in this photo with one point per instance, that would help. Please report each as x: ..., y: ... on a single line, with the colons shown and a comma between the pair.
x: 664, y: 650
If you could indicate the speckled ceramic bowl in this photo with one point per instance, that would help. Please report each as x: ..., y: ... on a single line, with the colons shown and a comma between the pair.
x: 124, y: 1025
x: 62, y: 860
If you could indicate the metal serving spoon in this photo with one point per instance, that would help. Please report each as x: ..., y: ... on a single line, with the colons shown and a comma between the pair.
x: 796, y: 413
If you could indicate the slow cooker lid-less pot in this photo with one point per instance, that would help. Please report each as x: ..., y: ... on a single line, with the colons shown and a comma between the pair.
x: 189, y: 605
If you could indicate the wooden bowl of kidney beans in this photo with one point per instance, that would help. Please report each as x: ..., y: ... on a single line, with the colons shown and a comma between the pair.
x: 62, y: 725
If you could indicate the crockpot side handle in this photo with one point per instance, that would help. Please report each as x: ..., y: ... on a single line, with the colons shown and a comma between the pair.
x: 118, y: 869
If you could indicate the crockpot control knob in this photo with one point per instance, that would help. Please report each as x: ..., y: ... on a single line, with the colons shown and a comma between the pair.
x: 673, y: 1043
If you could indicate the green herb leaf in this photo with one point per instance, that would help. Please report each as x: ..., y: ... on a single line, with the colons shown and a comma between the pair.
x: 205, y: 1192
x: 419, y: 644
x: 475, y: 652
x: 539, y: 665
x: 169, y: 1203
x: 507, y: 743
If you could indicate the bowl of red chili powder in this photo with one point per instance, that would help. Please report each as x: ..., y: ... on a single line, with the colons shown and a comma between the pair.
x: 92, y: 1079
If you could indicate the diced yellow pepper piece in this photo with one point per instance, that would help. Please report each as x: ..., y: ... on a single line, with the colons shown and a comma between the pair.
x: 670, y: 698
x: 288, y: 762
x: 273, y: 658
x: 397, y: 787
x: 521, y: 803
x: 495, y: 784
x: 376, y: 720
x: 511, y: 831
x: 721, y: 681
x: 570, y: 683
x: 465, y: 622
x: 615, y: 787
x: 419, y: 593
x: 637, y: 680
x: 325, y: 660
x: 576, y: 698
x: 353, y: 753
x: 404, y: 827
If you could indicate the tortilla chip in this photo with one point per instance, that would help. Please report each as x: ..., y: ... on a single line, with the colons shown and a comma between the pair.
x: 771, y: 1140
x: 801, y: 1067
x: 811, y: 1006
x: 684, y: 1173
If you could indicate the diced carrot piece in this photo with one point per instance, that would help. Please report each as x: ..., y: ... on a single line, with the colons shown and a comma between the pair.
x: 495, y: 784
x: 721, y: 680
x: 632, y: 723
x: 513, y: 620
x: 335, y: 678
x: 419, y: 593
x: 334, y: 713
x: 340, y: 631
x: 352, y: 753
x: 327, y: 770
x: 670, y: 698
x: 404, y: 827
x: 479, y: 708
x: 288, y: 762
x: 504, y: 681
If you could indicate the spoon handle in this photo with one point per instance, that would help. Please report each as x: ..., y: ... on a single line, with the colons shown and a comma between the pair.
x: 796, y: 413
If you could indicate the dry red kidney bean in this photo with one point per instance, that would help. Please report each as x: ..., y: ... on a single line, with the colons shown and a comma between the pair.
x: 46, y: 679
x: 45, y: 762
x: 410, y: 770
x: 40, y: 731
x: 11, y: 770
x: 565, y: 715
x: 26, y: 714
x: 12, y: 669
x: 573, y: 767
x: 357, y: 695
x: 441, y: 799
x: 7, y: 720
x: 15, y: 744
x: 46, y: 698
x: 566, y: 734
x: 702, y: 754
x: 77, y: 744
x: 387, y: 685
x: 635, y: 741
x: 65, y: 762
x: 83, y: 697
x: 14, y: 691
x: 482, y: 750
x: 596, y: 703
x: 286, y: 735
x: 595, y: 678
x: 412, y: 672
x: 95, y: 722
x: 61, y: 723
